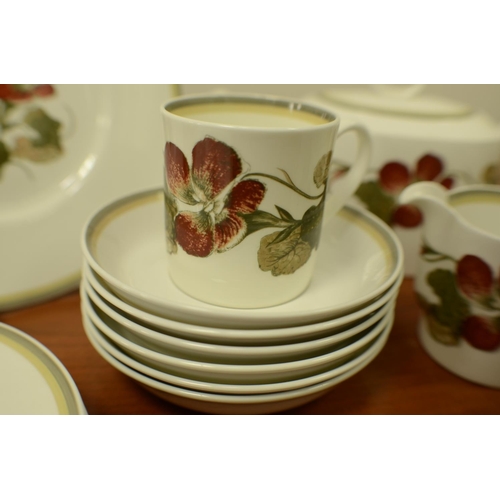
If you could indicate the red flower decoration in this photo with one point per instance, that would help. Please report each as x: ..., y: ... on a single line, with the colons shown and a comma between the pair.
x: 212, y: 186
x: 395, y: 176
x: 17, y: 92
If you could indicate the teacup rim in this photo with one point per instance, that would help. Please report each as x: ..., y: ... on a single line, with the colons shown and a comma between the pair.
x: 241, y: 97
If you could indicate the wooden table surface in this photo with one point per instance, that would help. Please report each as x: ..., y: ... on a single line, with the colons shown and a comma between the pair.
x: 403, y: 379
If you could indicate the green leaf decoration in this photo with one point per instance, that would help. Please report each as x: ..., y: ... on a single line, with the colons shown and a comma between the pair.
x: 284, y: 257
x: 321, y: 170
x: 285, y: 234
x: 261, y: 220
x: 284, y: 214
x: 47, y: 145
x: 453, y: 308
x: 430, y: 255
x: 311, y: 225
x: 47, y: 128
x: 378, y: 202
x: 170, y: 214
x: 4, y: 154
x: 441, y: 333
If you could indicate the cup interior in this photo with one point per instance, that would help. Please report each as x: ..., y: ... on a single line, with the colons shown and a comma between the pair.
x: 249, y: 111
x: 481, y: 209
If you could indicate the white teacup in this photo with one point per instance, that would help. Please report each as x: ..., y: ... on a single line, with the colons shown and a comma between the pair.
x: 246, y: 182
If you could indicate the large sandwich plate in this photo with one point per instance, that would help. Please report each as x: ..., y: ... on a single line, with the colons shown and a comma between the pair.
x: 65, y: 150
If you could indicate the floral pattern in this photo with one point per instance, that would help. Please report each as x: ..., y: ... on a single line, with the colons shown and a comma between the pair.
x: 381, y: 195
x: 469, y: 308
x: 212, y: 185
x: 27, y: 132
x: 18, y: 93
x: 213, y: 205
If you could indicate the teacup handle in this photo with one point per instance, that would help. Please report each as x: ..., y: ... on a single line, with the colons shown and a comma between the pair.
x: 345, y: 187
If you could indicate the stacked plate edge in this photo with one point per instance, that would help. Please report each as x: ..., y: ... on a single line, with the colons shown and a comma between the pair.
x: 219, y: 360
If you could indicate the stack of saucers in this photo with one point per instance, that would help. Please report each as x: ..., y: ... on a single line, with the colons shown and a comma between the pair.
x: 221, y: 360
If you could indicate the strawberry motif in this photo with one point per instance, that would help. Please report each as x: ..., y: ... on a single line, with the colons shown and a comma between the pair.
x: 380, y: 195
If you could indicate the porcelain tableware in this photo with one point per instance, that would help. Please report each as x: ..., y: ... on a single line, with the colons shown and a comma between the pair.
x: 124, y: 245
x: 235, y: 373
x: 233, y: 336
x: 101, y: 315
x: 32, y: 380
x: 65, y: 150
x: 457, y: 280
x: 234, y: 404
x: 235, y: 389
x: 417, y: 136
x: 246, y: 185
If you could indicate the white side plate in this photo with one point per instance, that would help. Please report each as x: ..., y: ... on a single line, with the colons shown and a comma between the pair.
x: 32, y: 380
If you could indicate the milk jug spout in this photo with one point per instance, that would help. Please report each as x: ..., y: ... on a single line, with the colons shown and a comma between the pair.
x: 431, y: 198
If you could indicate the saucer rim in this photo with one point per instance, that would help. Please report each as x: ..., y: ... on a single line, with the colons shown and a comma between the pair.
x: 207, y: 333
x: 236, y: 369
x: 163, y: 340
x: 235, y: 389
x: 228, y: 399
x: 262, y: 316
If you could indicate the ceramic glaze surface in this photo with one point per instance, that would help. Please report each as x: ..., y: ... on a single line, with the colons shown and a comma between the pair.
x: 67, y: 154
x: 463, y: 145
x: 237, y: 373
x: 246, y: 185
x: 124, y: 244
x: 166, y: 344
x: 227, y: 403
x: 32, y: 380
x: 235, y: 389
x: 457, y: 277
x: 232, y: 336
x: 245, y: 114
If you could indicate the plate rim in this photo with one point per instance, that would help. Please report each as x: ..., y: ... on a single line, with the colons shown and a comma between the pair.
x: 207, y: 334
x: 78, y: 203
x: 270, y: 317
x: 241, y: 399
x: 49, y: 360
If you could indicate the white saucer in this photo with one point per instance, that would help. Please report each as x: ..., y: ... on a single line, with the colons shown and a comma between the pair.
x: 237, y: 404
x: 235, y: 336
x: 32, y: 380
x: 359, y: 258
x: 233, y: 373
x: 236, y: 389
x: 111, y: 142
x: 164, y: 343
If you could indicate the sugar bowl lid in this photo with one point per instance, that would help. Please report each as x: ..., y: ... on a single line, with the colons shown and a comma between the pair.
x: 405, y: 111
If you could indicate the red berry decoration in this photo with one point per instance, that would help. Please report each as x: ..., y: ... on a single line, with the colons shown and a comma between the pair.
x: 394, y: 177
x: 428, y: 168
x: 448, y: 182
x: 10, y: 92
x: 43, y: 90
x: 474, y: 277
x: 407, y: 216
x: 480, y: 333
